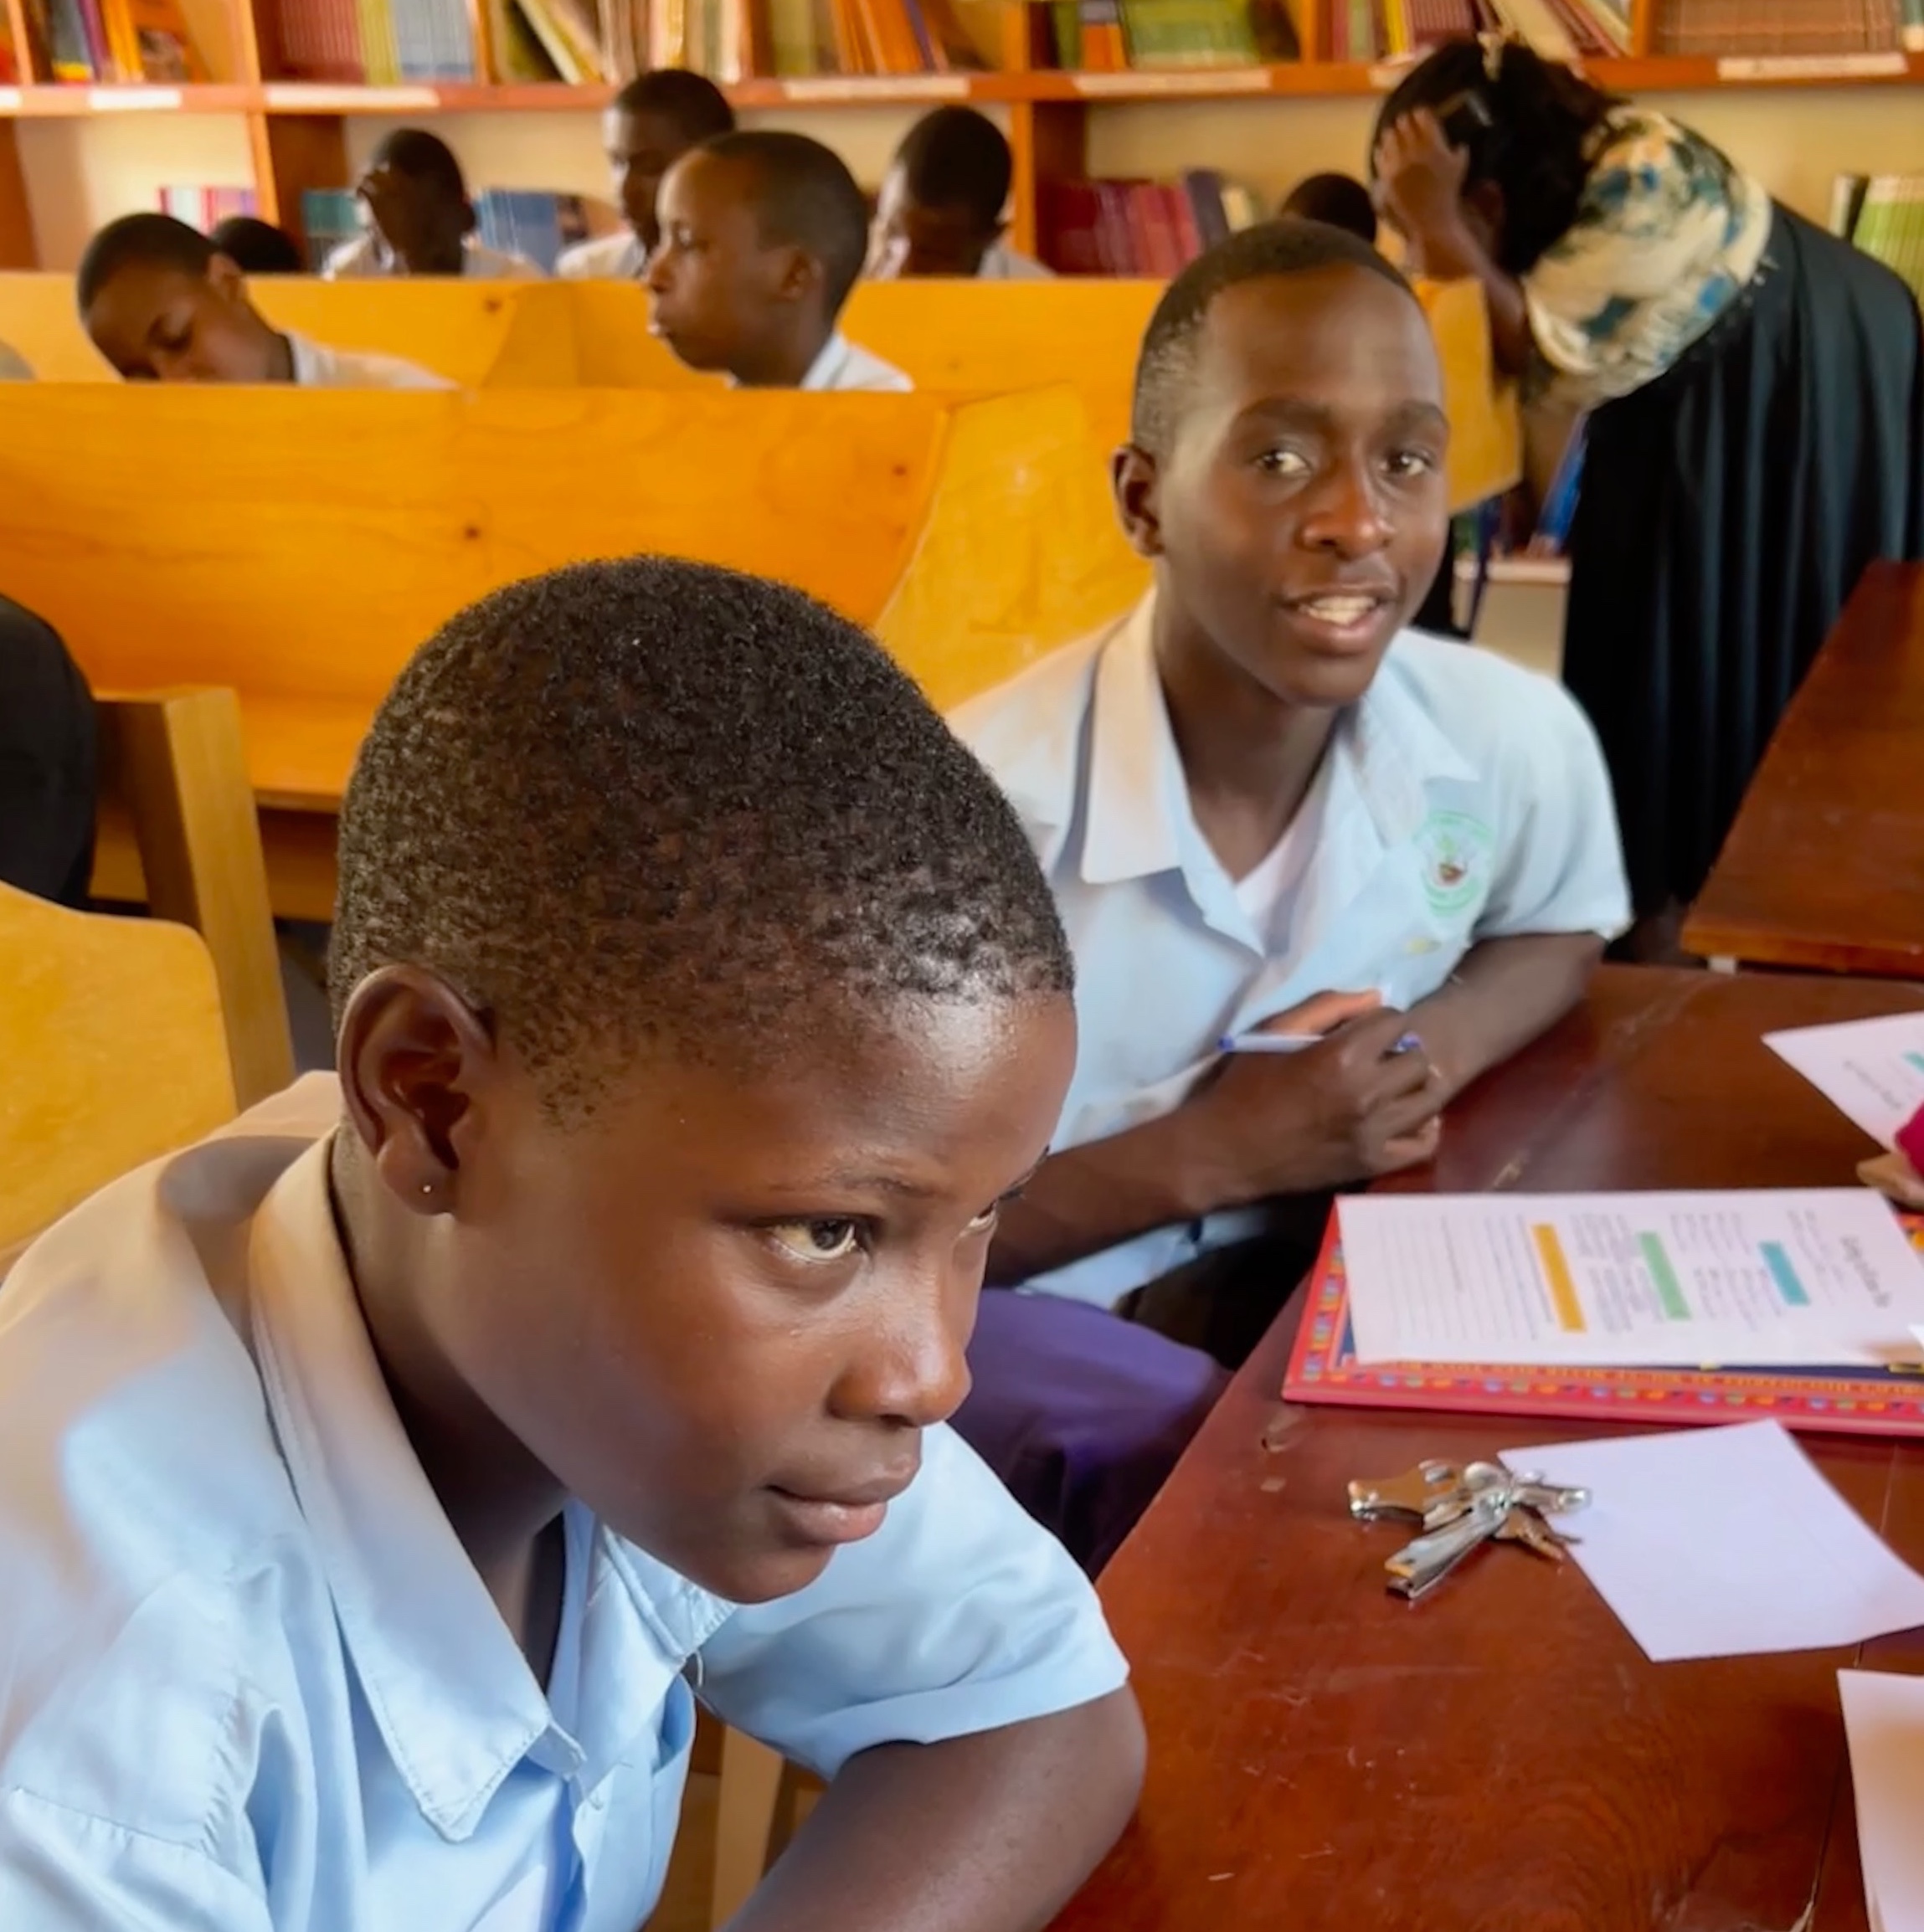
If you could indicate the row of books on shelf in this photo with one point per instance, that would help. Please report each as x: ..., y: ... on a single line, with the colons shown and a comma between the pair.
x: 206, y: 207
x: 108, y: 40
x: 1111, y: 36
x: 1397, y: 30
x: 531, y: 222
x: 1884, y: 215
x: 1788, y: 27
x: 1139, y: 228
x: 384, y: 42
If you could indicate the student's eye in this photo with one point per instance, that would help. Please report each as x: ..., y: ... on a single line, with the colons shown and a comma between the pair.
x: 1284, y: 463
x: 1409, y: 463
x: 826, y: 1239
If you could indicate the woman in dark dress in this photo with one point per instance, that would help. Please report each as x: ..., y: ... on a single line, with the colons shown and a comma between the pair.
x: 1756, y: 391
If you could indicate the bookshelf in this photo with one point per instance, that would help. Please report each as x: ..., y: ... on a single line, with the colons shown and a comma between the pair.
x: 297, y: 132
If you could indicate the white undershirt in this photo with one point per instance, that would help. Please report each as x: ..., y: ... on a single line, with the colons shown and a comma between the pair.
x: 1268, y: 892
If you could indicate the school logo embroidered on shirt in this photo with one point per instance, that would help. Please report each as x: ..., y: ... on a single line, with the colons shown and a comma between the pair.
x: 1453, y: 851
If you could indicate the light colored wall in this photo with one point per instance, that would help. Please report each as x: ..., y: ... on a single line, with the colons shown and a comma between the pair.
x: 82, y: 173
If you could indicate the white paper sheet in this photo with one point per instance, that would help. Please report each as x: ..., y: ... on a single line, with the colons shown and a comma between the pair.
x: 1883, y: 1721
x: 1725, y: 1542
x: 1818, y: 1277
x: 1872, y: 1071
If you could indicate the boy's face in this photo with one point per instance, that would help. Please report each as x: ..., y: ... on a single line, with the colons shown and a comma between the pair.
x: 642, y: 148
x: 415, y: 215
x: 165, y: 325
x: 715, y: 286
x: 722, y: 1310
x: 914, y: 238
x: 1300, y: 511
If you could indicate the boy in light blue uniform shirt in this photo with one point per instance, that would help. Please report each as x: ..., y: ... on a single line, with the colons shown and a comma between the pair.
x: 1263, y: 805
x: 381, y: 1480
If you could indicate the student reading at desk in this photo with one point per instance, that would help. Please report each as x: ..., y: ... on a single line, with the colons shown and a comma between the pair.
x: 1267, y: 809
x: 649, y: 124
x: 423, y: 221
x: 378, y: 1479
x: 163, y: 305
x: 941, y: 206
x: 763, y: 236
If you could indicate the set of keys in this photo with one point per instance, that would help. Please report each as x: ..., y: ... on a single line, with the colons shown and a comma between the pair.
x: 1460, y: 1510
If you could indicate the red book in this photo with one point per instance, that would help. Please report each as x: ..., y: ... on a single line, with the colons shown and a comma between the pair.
x: 1182, y: 225
x: 1323, y: 1368
x: 1115, y: 240
x: 1067, y: 213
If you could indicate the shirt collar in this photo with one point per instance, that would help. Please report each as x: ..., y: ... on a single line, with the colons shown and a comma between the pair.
x: 828, y: 366
x: 1386, y: 749
x: 306, y: 359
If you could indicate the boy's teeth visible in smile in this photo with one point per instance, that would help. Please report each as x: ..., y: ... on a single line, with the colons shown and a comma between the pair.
x: 1339, y: 610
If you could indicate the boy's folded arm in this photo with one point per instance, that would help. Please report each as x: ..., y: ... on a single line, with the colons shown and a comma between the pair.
x: 991, y: 1832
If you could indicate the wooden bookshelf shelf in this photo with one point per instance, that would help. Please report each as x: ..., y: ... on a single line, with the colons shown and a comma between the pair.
x: 1651, y: 75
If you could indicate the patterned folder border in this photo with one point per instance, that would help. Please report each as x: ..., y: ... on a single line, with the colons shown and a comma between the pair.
x: 1323, y: 1368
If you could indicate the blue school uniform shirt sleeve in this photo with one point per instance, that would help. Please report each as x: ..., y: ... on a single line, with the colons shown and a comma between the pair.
x: 960, y: 1615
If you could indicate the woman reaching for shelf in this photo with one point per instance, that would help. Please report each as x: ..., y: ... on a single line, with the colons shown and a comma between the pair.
x: 1756, y: 430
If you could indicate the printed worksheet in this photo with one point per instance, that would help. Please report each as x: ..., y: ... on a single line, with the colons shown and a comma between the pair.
x: 1820, y: 1277
x: 1871, y: 1070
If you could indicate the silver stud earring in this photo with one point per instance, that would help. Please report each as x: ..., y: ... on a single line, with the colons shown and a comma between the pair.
x: 427, y: 1187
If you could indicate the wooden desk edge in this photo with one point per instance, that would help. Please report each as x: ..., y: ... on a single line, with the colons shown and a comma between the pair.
x: 1710, y: 937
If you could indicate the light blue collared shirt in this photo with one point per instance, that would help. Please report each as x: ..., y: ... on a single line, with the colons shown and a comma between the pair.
x: 250, y: 1681
x: 1462, y: 800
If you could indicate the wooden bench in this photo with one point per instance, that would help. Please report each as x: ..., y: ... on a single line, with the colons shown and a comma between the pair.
x: 298, y: 546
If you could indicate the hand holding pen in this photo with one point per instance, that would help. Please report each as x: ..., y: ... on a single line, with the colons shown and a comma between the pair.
x: 1345, y: 1094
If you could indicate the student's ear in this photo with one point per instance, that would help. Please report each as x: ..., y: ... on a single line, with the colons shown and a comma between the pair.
x: 227, y: 281
x: 1134, y: 479
x: 415, y: 1059
x: 798, y: 274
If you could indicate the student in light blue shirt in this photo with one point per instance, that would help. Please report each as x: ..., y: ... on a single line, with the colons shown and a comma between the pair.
x: 381, y: 1481
x: 1263, y: 805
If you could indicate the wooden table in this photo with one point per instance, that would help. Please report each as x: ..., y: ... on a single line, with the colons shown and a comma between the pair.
x: 1824, y: 866
x: 1501, y: 1757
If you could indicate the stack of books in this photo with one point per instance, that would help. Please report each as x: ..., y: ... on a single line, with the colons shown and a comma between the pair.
x: 1139, y: 228
x: 1402, y: 29
x: 1786, y: 27
x: 531, y: 222
x: 112, y: 40
x: 370, y: 42
x: 1884, y: 214
x: 1110, y: 36
x: 206, y: 207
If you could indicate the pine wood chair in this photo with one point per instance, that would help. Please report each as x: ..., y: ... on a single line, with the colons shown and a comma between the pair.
x: 114, y: 1051
x: 173, y: 768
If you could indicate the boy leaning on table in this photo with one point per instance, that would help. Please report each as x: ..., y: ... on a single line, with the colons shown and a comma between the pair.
x: 1264, y: 804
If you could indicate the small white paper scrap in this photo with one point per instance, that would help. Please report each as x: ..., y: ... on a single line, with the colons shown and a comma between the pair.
x: 1884, y: 1722
x: 1871, y: 1070
x: 1727, y: 1542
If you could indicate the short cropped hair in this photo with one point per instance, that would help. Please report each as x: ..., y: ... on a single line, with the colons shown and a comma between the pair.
x: 691, y: 102
x: 652, y: 803
x: 419, y: 156
x: 1340, y: 199
x: 1167, y: 359
x: 153, y: 241
x: 804, y: 196
x: 955, y: 157
x: 258, y: 246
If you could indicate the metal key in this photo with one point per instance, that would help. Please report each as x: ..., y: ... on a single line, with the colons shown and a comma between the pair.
x: 1522, y: 1524
x: 1420, y: 1566
x: 1433, y: 1493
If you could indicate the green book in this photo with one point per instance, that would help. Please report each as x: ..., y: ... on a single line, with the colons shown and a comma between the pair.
x: 1188, y: 33
x: 1066, y: 19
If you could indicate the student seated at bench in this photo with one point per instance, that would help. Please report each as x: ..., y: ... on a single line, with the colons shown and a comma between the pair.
x: 380, y: 1481
x: 763, y: 236
x: 423, y: 223
x: 48, y: 760
x: 940, y: 209
x: 1265, y: 807
x: 163, y: 305
x: 649, y: 124
x: 258, y: 246
x: 1340, y: 199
